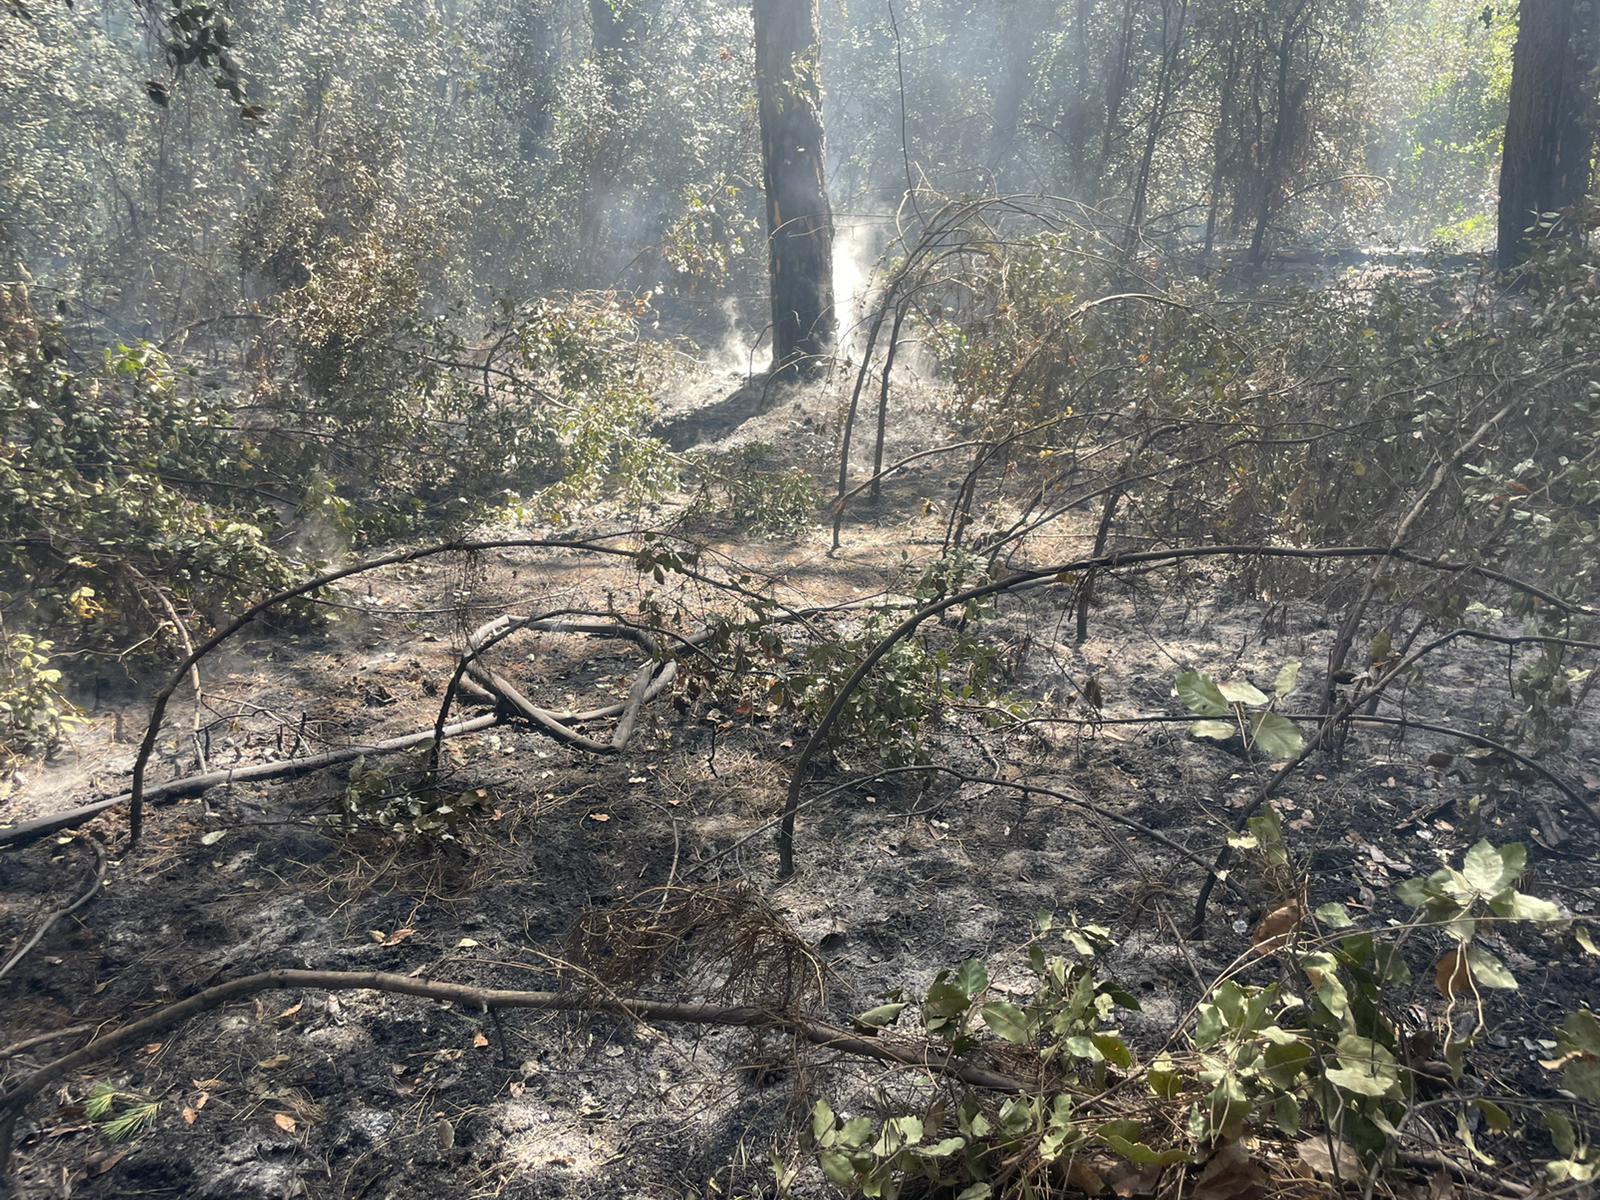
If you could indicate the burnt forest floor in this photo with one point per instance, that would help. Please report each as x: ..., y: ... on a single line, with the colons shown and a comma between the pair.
x: 358, y: 1094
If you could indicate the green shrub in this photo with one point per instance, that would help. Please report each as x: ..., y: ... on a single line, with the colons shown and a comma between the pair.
x: 33, y: 713
x: 104, y: 470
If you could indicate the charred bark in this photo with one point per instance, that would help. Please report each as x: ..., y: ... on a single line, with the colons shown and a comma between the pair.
x: 1549, y: 142
x: 799, y: 221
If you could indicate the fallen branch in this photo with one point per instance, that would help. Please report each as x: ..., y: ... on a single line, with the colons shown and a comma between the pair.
x: 16, y: 1098
x: 25, y: 833
x: 136, y: 790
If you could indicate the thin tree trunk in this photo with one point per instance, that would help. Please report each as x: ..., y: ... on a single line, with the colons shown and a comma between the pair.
x: 799, y: 221
x: 1219, y: 145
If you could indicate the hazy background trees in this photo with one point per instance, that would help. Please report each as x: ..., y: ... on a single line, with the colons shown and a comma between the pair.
x: 509, y: 148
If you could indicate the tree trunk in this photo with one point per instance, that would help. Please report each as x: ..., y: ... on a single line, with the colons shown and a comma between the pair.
x: 1171, y: 48
x: 799, y: 222
x: 1220, y: 143
x: 1291, y: 95
x: 1549, y: 130
x: 1022, y: 24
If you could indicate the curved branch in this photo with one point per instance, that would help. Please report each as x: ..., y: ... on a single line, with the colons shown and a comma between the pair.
x: 818, y: 1033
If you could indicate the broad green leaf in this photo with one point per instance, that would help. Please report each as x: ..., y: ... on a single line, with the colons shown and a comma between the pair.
x: 1240, y: 691
x: 1083, y: 1047
x: 1365, y: 1068
x: 972, y: 977
x: 1288, y: 677
x: 1582, y: 1078
x: 1276, y: 737
x: 1286, y: 1114
x: 1226, y: 1108
x: 1483, y: 869
x: 1008, y: 1021
x: 1334, y: 915
x: 1200, y: 695
x: 857, y: 1132
x: 884, y: 1014
x: 1360, y: 1081
x: 1164, y: 1079
x: 1488, y: 971
x: 1494, y: 1117
x: 1114, y: 1049
x: 822, y: 1120
x: 978, y: 1191
x: 1562, y: 1134
x: 1216, y: 731
x: 1580, y: 1033
x: 1414, y: 893
x: 837, y: 1167
x: 1520, y: 907
x: 1126, y: 1138
x: 943, y: 1148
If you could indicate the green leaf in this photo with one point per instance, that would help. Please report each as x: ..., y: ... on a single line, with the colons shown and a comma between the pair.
x: 1286, y: 1114
x: 837, y: 1167
x: 978, y: 1191
x: 1114, y: 1049
x: 1200, y: 695
x: 1276, y: 737
x: 1360, y: 1081
x: 1216, y: 731
x: 1240, y: 691
x: 1226, y: 1108
x: 1288, y: 677
x: 857, y: 1132
x: 943, y: 1149
x: 1495, y: 1118
x: 1083, y: 1047
x: 1561, y: 1133
x: 1008, y: 1021
x: 1365, y: 1068
x: 1484, y: 869
x: 1334, y: 915
x: 1488, y: 971
x: 1164, y: 1078
x: 884, y: 1014
x: 1126, y: 1138
x: 1520, y: 907
x: 822, y: 1120
x: 972, y: 977
x: 1413, y: 893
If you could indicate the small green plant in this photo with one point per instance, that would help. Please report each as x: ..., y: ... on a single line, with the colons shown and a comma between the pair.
x: 120, y: 1116
x: 1460, y: 901
x: 1240, y: 709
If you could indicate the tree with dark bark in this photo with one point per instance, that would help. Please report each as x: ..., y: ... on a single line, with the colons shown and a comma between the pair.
x: 799, y: 221
x: 1549, y: 145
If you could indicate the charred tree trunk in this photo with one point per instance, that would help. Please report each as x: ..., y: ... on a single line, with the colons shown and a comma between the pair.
x: 1220, y: 138
x: 799, y: 222
x: 1549, y: 130
x: 1290, y: 98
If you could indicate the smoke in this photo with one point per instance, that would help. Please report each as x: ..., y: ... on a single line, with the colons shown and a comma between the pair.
x: 854, y: 281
